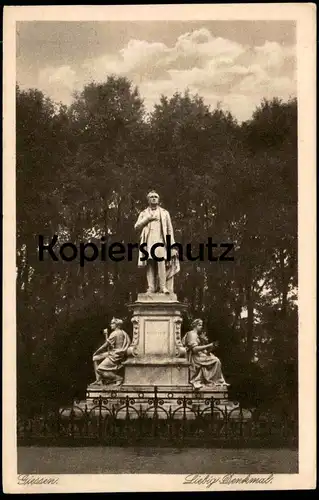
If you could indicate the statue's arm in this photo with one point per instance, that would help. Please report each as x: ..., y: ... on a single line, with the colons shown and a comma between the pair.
x: 142, y: 221
x: 200, y: 348
x: 102, y: 348
x: 192, y: 343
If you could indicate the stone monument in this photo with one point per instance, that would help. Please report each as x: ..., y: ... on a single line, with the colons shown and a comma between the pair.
x: 156, y: 355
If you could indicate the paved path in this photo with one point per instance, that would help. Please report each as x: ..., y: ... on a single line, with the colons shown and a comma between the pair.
x: 112, y: 460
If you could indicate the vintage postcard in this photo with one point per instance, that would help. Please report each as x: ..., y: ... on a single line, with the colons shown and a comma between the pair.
x: 159, y: 248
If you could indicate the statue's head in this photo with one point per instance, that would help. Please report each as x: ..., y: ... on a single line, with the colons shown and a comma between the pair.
x: 153, y: 198
x: 116, y: 323
x: 197, y: 324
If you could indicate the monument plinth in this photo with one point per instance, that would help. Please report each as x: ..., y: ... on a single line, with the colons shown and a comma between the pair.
x: 156, y: 355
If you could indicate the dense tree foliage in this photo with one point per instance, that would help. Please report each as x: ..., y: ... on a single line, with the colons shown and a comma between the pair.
x: 83, y: 172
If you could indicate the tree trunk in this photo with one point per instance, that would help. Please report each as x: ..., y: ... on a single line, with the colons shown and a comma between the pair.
x: 106, y: 282
x: 284, y: 284
x: 250, y: 316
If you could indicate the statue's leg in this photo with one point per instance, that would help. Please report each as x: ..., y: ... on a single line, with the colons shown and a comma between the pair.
x: 97, y: 376
x: 96, y: 362
x: 170, y: 284
x: 213, y: 374
x: 162, y: 276
x: 110, y: 372
x: 219, y: 374
x: 195, y: 377
x: 118, y: 379
x: 110, y: 377
x: 150, y: 275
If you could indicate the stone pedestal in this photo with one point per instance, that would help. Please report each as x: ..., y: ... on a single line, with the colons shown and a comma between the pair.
x: 156, y: 375
x: 156, y: 355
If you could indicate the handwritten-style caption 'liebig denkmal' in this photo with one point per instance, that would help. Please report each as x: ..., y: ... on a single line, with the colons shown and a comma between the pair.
x: 118, y: 252
x: 208, y: 480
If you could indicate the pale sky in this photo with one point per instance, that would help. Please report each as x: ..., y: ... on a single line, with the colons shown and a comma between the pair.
x: 234, y: 63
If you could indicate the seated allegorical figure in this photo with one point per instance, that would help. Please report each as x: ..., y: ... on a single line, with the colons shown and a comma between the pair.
x: 108, y: 359
x: 205, y: 368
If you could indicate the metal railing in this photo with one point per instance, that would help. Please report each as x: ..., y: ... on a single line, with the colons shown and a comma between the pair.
x: 157, y: 419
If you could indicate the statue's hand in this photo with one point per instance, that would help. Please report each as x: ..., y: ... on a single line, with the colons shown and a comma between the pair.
x: 151, y: 218
x: 174, y: 252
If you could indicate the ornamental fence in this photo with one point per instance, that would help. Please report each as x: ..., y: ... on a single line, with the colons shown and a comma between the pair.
x: 157, y: 419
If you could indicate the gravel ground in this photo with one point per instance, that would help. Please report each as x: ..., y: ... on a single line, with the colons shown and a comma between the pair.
x: 115, y: 460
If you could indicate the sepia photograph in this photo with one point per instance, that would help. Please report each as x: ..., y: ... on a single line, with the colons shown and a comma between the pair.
x: 157, y: 291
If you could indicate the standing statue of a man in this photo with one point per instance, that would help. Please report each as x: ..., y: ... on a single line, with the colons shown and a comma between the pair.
x: 156, y: 225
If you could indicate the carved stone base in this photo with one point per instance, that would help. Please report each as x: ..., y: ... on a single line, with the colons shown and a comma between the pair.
x: 156, y: 356
x: 162, y: 298
x: 156, y: 370
x: 157, y: 326
x: 166, y: 391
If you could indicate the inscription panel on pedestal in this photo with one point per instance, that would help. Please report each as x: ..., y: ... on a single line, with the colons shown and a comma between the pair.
x: 157, y: 336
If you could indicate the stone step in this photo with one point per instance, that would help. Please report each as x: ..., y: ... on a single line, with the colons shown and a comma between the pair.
x: 164, y: 409
x: 169, y: 391
x: 179, y: 402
